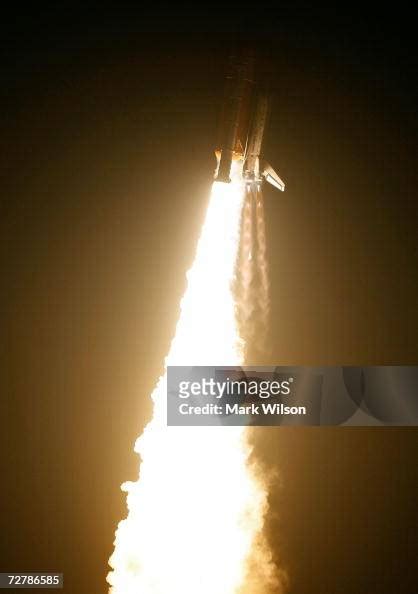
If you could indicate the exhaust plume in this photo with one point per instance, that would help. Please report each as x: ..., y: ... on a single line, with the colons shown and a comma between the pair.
x: 251, y: 287
x: 196, y: 512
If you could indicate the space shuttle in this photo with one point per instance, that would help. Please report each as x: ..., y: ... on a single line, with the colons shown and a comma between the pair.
x: 242, y: 126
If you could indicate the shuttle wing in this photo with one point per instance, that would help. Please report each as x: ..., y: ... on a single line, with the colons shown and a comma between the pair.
x: 272, y: 178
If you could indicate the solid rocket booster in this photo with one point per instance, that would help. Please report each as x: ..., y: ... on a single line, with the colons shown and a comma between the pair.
x: 238, y: 91
x: 243, y: 122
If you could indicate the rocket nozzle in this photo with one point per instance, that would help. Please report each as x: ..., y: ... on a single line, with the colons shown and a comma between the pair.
x: 224, y: 166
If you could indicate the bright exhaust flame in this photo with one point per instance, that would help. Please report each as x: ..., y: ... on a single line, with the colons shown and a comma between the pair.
x: 196, y: 512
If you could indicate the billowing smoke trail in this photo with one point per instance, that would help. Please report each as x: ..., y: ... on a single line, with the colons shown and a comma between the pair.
x: 263, y: 296
x: 252, y: 284
x: 196, y: 512
x: 245, y: 271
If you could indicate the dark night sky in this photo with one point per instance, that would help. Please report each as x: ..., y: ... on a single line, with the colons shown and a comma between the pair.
x: 109, y: 123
